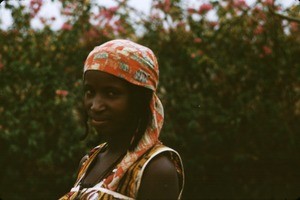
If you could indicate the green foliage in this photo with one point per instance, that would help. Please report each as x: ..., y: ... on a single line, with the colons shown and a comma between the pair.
x: 230, y: 89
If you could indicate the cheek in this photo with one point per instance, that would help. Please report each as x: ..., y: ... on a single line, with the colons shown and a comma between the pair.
x: 124, y: 108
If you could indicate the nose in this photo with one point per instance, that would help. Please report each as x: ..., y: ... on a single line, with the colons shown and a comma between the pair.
x: 98, y: 104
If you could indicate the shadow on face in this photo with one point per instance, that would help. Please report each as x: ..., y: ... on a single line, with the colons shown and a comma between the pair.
x: 113, y: 105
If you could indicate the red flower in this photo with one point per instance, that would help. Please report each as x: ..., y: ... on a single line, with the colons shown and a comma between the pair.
x: 204, y: 8
x: 191, y: 10
x: 294, y: 26
x: 200, y: 52
x: 197, y: 40
x: 181, y: 25
x: 67, y: 12
x: 213, y: 24
x: 61, y: 93
x: 269, y: 2
x: 66, y: 27
x: 113, y: 9
x: 239, y: 3
x: 35, y: 6
x: 167, y: 5
x: 259, y: 30
x: 267, y: 50
x: 92, y: 33
x: 107, y: 14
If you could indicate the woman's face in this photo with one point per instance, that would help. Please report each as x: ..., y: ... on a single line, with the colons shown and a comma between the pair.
x: 107, y: 102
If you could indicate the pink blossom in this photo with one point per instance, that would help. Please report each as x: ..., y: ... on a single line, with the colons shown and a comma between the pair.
x: 157, y: 4
x: 262, y: 16
x: 191, y: 10
x: 181, y: 24
x: 67, y: 12
x: 193, y: 55
x: 267, y: 50
x: 269, y: 2
x: 197, y: 40
x: 200, y: 52
x: 113, y: 9
x: 92, y: 33
x: 105, y: 33
x: 259, y: 30
x: 61, y: 93
x: 167, y: 5
x: 213, y: 24
x: 294, y: 26
x: 257, y: 10
x: 204, y: 8
x: 120, y: 29
x: 239, y: 3
x: 66, y: 27
x: 35, y: 6
x: 107, y: 14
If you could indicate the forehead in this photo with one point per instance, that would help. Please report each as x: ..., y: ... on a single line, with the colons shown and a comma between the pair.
x: 99, y: 78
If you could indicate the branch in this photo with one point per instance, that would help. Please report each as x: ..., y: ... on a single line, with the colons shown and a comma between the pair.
x: 293, y: 19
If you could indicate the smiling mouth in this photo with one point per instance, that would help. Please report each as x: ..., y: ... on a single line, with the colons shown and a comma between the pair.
x: 95, y: 122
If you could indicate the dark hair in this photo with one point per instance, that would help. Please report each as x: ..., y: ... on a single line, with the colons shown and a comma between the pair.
x: 140, y: 103
x: 141, y: 98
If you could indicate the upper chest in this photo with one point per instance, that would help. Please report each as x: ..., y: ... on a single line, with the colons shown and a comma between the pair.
x: 100, y: 167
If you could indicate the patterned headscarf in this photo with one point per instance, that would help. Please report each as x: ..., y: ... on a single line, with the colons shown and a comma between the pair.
x: 138, y: 65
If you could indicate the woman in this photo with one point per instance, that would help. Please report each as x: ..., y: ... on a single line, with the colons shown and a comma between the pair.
x: 120, y: 79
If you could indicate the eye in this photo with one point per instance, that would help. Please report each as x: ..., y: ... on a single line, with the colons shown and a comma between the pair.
x: 88, y: 91
x: 111, y: 92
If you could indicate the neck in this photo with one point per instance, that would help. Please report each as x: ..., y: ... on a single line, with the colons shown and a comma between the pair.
x: 119, y: 144
x: 117, y: 147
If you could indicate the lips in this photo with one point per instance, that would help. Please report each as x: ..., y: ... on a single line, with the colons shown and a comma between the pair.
x: 98, y: 120
x: 95, y: 122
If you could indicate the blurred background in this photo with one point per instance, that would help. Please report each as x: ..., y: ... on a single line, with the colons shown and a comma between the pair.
x: 229, y: 82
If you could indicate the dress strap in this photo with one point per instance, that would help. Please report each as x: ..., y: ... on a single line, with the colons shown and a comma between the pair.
x: 86, y: 163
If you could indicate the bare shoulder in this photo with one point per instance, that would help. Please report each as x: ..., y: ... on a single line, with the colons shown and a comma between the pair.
x: 160, y: 179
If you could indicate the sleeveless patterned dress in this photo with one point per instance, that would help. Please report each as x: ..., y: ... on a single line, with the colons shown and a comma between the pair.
x: 130, y: 182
